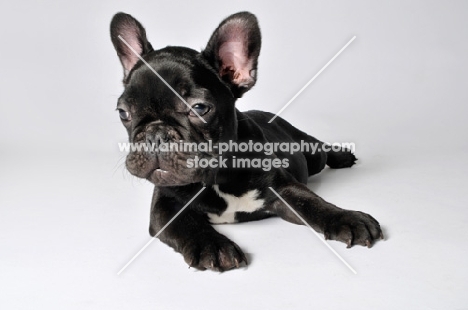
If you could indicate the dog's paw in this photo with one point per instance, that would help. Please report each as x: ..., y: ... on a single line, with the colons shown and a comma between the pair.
x: 353, y: 227
x: 341, y: 159
x: 215, y: 252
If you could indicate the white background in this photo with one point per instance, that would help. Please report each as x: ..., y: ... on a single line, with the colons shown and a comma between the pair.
x: 71, y: 217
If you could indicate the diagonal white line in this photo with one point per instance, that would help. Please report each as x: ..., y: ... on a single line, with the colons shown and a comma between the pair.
x: 160, y: 231
x: 161, y: 78
x: 316, y: 234
x: 312, y: 79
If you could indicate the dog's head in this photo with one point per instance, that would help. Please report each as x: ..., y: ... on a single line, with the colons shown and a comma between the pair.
x: 177, y: 94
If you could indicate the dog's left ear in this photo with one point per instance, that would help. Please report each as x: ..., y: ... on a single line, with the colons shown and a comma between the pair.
x: 233, y: 51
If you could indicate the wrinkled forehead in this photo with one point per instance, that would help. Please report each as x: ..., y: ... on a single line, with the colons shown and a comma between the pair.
x: 159, y: 84
x: 162, y: 72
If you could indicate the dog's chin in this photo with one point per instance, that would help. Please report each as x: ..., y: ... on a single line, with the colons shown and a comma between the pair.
x: 161, y: 177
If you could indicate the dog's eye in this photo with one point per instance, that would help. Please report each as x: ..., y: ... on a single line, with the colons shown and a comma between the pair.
x: 200, y: 108
x: 124, y: 115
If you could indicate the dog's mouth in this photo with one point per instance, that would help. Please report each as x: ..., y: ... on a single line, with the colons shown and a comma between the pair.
x: 169, y: 169
x: 160, y: 176
x: 158, y: 171
x: 178, y: 176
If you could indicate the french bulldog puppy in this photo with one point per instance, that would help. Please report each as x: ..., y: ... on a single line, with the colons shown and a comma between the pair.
x: 209, y: 82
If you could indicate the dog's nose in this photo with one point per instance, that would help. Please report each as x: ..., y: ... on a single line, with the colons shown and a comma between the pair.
x: 156, y: 139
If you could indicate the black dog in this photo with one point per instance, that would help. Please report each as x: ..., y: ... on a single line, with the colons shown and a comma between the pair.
x: 209, y: 84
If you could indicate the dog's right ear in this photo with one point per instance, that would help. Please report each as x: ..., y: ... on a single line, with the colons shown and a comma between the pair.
x: 126, y: 28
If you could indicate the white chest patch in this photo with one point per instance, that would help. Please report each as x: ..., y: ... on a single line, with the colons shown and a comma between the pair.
x: 245, y: 203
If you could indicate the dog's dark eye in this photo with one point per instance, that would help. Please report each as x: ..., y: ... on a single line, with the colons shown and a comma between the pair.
x: 200, y: 108
x: 124, y: 115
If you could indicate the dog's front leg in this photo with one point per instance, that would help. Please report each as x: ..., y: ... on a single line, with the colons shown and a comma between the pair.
x: 350, y: 227
x: 192, y: 235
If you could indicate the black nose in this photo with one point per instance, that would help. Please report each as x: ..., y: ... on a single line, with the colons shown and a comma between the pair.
x: 156, y: 139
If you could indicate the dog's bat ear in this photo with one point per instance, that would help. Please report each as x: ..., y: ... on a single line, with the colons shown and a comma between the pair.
x: 233, y: 51
x: 125, y: 30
